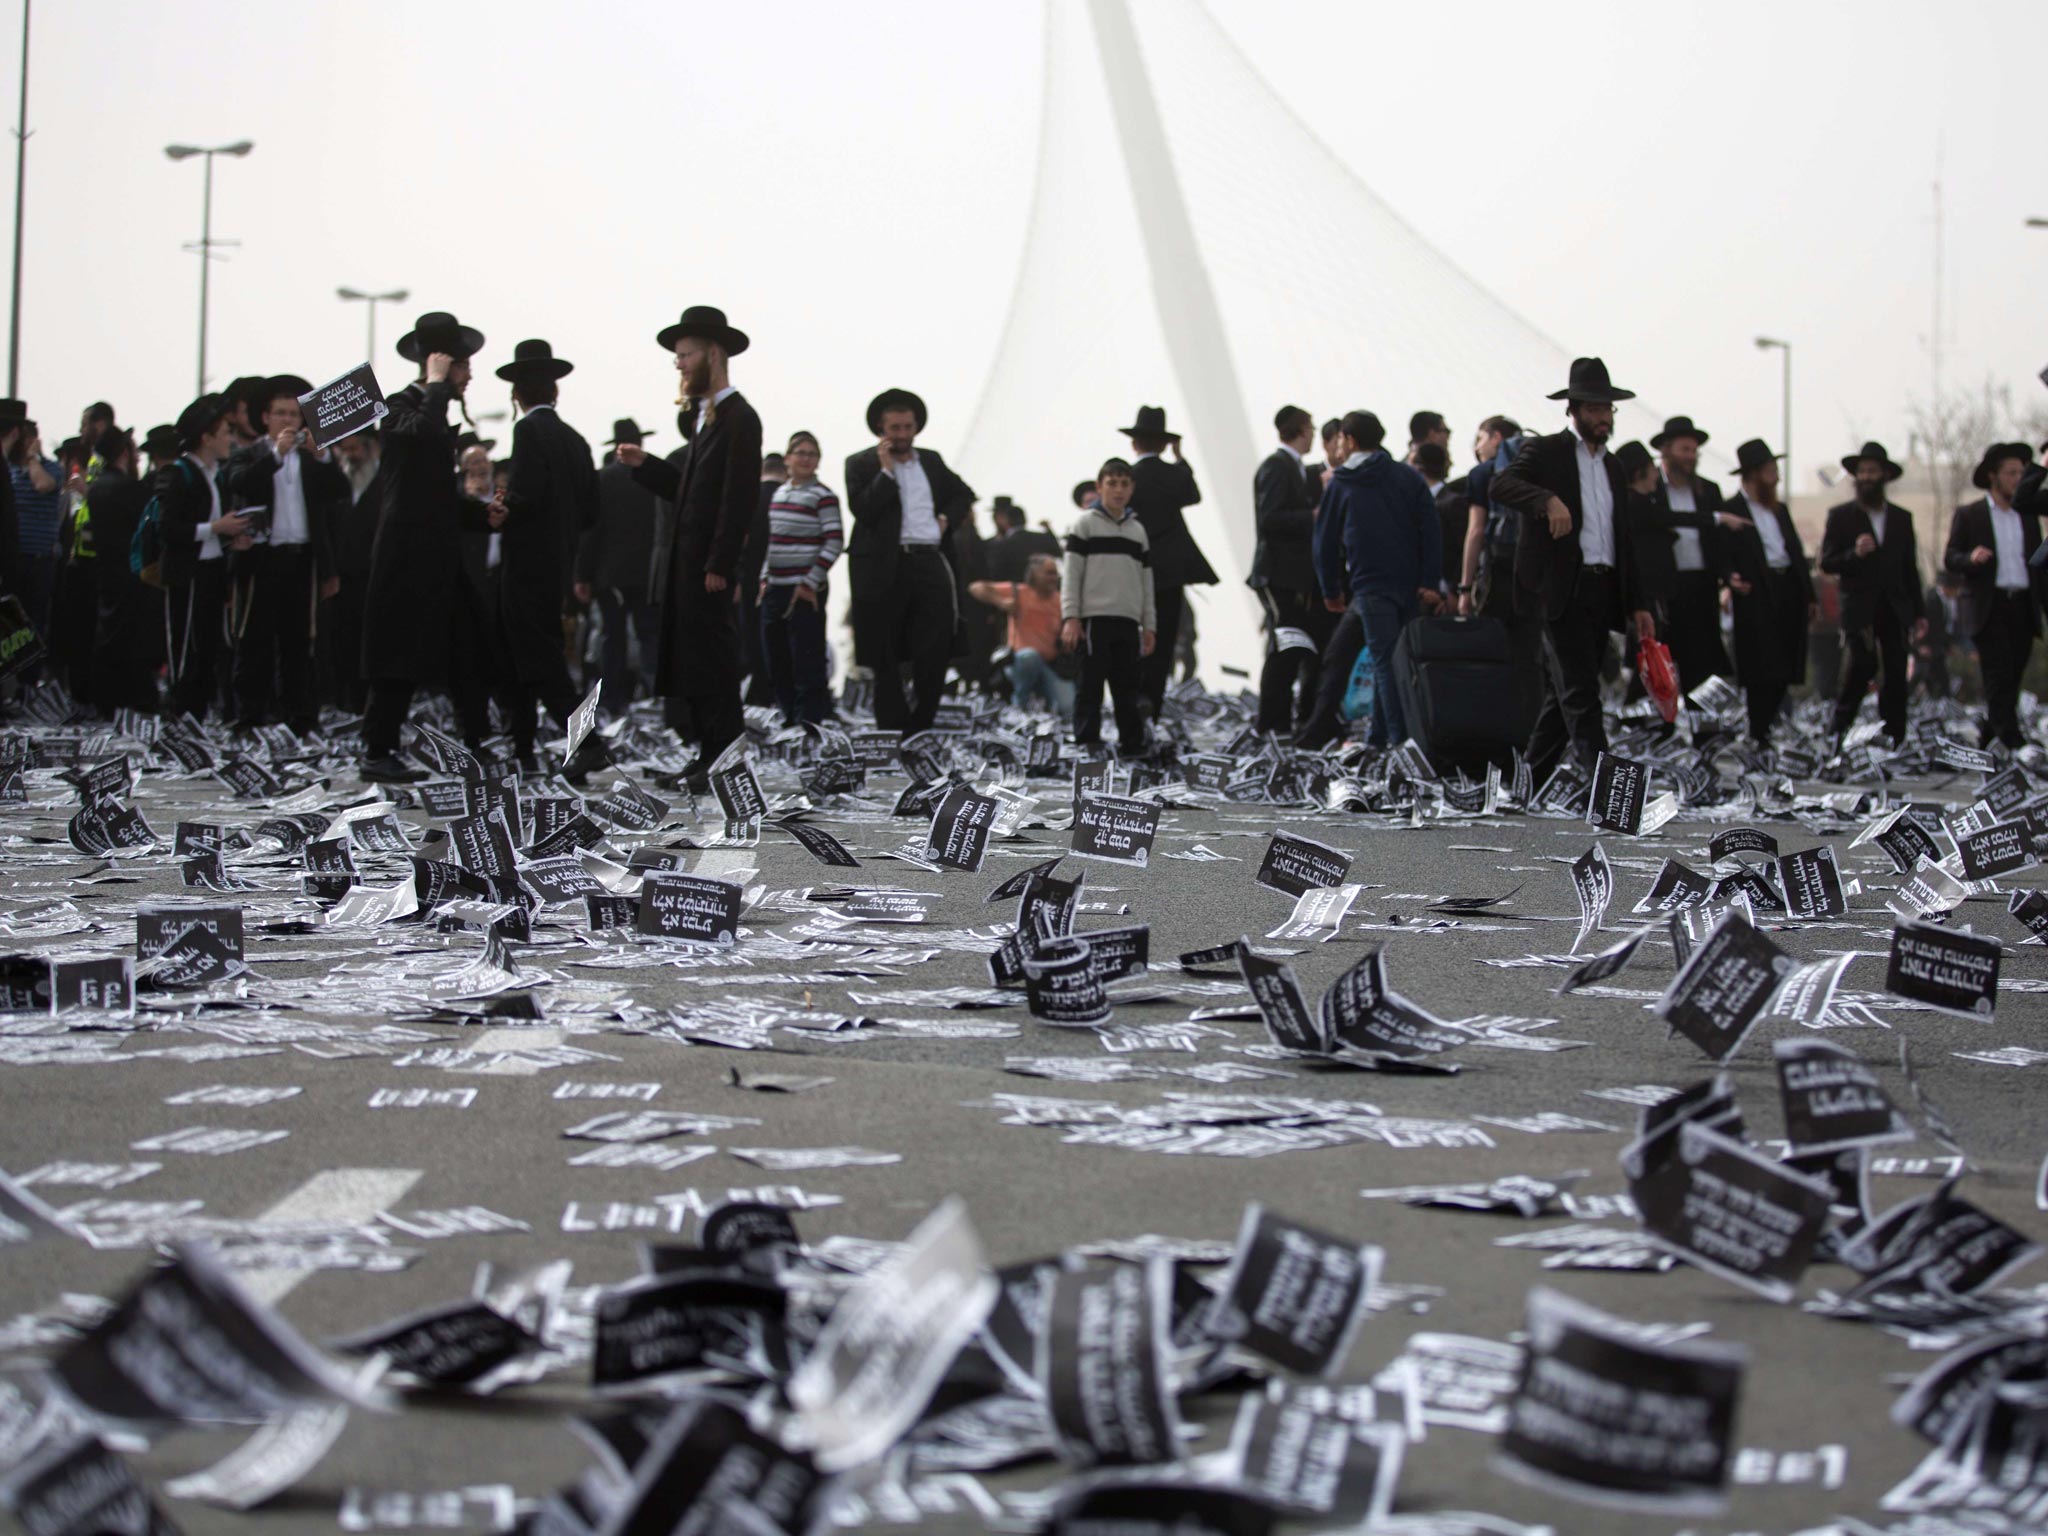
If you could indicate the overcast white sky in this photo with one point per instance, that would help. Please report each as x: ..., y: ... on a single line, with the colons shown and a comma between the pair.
x: 1654, y: 182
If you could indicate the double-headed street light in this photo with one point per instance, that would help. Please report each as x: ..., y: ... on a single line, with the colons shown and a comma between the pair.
x: 206, y: 244
x: 371, y: 301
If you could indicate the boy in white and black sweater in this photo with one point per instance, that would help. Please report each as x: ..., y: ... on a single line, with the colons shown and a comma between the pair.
x: 1111, y: 613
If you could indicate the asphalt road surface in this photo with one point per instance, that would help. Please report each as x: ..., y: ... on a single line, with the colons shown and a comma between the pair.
x: 386, y: 1134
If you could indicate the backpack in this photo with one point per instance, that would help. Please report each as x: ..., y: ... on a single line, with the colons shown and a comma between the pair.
x: 146, y: 548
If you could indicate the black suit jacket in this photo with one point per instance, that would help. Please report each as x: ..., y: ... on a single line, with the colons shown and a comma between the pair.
x: 708, y: 497
x: 1162, y: 491
x: 1284, y: 512
x: 1549, y: 567
x: 1970, y: 529
x: 1889, y: 576
x: 415, y: 562
x: 614, y: 554
x: 876, y: 542
x: 549, y: 506
x: 250, y: 480
x: 1660, y: 526
x: 186, y: 506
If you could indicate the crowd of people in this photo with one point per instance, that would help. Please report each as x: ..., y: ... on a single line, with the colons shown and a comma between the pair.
x: 228, y: 565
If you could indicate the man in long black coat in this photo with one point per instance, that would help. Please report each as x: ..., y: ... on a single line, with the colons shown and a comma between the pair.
x: 708, y: 502
x: 611, y: 569
x: 1682, y: 509
x: 1991, y: 546
x: 1774, y: 601
x: 1284, y: 575
x: 291, y: 557
x: 412, y: 604
x: 550, y: 505
x: 1575, y: 562
x: 1870, y: 548
x: 122, y: 649
x: 905, y: 503
x: 1162, y: 492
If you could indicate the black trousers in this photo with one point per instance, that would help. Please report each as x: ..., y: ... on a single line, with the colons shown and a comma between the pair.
x: 1574, y: 646
x: 619, y: 610
x: 2003, y: 646
x: 1110, y: 655
x: 1770, y: 653
x: 196, y: 616
x: 753, y: 659
x: 1333, y: 668
x: 914, y: 624
x: 339, y: 644
x: 703, y: 659
x: 274, y: 646
x: 1694, y: 629
x: 1287, y: 681
x: 1881, y: 645
x: 1169, y: 600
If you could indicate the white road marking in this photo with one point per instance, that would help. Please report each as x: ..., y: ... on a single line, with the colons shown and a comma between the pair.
x: 337, y: 1197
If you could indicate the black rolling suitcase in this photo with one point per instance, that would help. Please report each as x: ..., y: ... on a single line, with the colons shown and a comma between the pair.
x: 1469, y: 699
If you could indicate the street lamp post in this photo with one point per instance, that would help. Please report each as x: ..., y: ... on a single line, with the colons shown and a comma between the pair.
x: 370, y: 301
x: 1772, y: 344
x: 20, y: 182
x: 2037, y: 223
x: 206, y: 240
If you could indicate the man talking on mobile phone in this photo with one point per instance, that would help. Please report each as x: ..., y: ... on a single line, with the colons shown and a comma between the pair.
x: 295, y: 494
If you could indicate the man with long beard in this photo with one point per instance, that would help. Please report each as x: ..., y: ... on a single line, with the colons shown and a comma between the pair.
x: 707, y: 505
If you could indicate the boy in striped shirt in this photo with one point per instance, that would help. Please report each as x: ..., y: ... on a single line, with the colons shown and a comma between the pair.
x: 804, y: 538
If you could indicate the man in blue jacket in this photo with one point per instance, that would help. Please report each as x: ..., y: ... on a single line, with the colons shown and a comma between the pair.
x: 1379, y: 548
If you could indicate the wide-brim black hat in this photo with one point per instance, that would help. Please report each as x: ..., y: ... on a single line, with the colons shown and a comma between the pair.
x: 1678, y: 426
x: 12, y: 412
x: 1633, y: 458
x: 201, y: 414
x: 1996, y: 455
x: 464, y: 441
x: 286, y: 384
x: 1590, y: 384
x: 1752, y: 455
x: 535, y: 360
x: 161, y: 442
x: 894, y: 400
x: 707, y: 324
x: 1873, y: 451
x: 1151, y: 422
x: 439, y: 331
x: 627, y: 430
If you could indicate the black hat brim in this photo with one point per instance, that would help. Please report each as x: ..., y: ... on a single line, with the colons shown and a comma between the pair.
x: 1171, y: 437
x: 1662, y: 438
x: 468, y: 341
x: 1743, y: 469
x: 895, y: 400
x: 536, y: 367
x: 1608, y: 396
x: 1891, y: 471
x: 733, y: 341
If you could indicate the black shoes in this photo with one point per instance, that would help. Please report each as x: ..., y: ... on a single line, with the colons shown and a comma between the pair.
x: 588, y: 759
x: 384, y: 768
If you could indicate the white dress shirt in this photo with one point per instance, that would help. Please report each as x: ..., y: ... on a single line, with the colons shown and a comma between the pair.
x: 1596, y: 503
x: 209, y: 541
x: 2012, y: 546
x: 1775, y: 554
x: 1878, y: 522
x: 288, y: 521
x: 716, y: 399
x: 920, y: 512
x: 1686, y: 553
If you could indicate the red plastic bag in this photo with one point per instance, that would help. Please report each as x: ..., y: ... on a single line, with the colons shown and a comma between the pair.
x: 1660, y: 678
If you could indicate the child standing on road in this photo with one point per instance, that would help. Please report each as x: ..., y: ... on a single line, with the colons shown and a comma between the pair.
x: 1111, y: 615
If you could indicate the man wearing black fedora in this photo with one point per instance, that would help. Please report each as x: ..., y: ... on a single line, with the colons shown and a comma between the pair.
x: 549, y: 506
x: 1870, y: 549
x: 611, y: 569
x: 699, y: 530
x: 296, y: 496
x: 1991, y: 545
x: 1765, y: 565
x: 905, y: 503
x: 1682, y: 511
x: 1575, y: 562
x: 1163, y: 491
x: 197, y: 534
x: 415, y: 596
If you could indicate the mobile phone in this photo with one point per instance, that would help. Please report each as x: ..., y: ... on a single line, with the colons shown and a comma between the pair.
x: 259, y: 519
